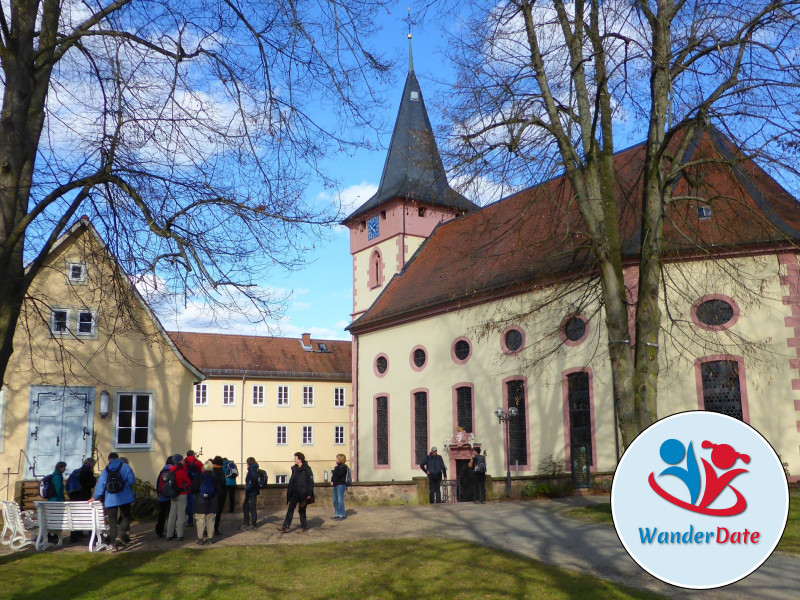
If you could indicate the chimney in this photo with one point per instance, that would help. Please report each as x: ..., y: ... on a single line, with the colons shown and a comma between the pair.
x: 306, y: 341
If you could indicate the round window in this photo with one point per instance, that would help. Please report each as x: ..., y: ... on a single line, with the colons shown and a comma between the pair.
x: 513, y: 340
x: 714, y: 312
x: 419, y: 357
x: 381, y: 364
x: 574, y: 329
x: 462, y: 349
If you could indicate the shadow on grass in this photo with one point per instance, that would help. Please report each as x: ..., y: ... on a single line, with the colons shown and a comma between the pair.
x: 398, y: 569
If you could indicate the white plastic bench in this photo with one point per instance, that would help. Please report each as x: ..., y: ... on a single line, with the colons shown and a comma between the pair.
x: 57, y: 517
x: 16, y: 525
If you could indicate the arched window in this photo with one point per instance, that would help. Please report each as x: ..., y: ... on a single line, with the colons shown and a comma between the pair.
x: 375, y: 274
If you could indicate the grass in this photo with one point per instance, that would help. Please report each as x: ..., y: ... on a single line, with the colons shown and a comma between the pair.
x: 396, y: 569
x: 790, y: 541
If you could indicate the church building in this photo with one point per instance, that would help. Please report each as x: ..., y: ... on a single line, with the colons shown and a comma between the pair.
x: 459, y: 311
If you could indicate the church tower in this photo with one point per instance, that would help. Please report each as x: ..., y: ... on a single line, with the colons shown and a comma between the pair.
x: 412, y: 199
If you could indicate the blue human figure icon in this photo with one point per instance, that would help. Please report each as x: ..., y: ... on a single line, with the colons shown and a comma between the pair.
x: 672, y: 452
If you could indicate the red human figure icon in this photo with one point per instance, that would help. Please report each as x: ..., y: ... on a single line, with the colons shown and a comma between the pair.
x: 724, y: 457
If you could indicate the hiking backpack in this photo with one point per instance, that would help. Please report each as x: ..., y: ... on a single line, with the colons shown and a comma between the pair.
x: 73, y: 482
x: 114, y: 482
x: 46, y: 488
x: 262, y: 478
x: 480, y: 464
x: 208, y: 487
x: 231, y: 470
x: 168, y: 485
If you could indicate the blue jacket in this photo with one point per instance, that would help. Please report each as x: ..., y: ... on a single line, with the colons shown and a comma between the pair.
x: 228, y: 480
x: 126, y: 495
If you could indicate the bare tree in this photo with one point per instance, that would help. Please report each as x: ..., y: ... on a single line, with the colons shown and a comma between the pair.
x: 185, y: 129
x: 548, y: 87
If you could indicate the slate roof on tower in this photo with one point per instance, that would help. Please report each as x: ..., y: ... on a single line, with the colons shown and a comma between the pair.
x: 413, y: 169
x: 536, y: 237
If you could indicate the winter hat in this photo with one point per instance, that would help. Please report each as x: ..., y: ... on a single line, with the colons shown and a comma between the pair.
x: 176, y: 458
x: 434, y: 449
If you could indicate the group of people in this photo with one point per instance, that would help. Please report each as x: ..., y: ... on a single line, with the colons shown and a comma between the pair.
x: 192, y: 493
x: 433, y: 466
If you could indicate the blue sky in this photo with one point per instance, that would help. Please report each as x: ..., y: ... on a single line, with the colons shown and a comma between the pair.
x: 320, y: 294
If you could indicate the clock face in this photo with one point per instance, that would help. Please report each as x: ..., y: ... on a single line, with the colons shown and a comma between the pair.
x: 373, y: 229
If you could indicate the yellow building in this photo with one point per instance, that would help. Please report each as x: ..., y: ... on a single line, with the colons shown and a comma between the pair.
x: 92, y: 371
x: 500, y: 308
x: 269, y: 397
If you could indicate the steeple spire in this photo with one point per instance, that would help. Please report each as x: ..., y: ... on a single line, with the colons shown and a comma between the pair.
x: 410, y: 54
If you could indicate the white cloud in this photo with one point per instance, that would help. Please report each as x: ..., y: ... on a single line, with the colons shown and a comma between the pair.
x: 349, y: 199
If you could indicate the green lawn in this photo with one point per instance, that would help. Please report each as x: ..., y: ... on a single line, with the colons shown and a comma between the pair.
x: 790, y: 542
x: 392, y: 569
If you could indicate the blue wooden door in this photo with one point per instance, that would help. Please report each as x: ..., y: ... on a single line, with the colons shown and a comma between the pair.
x: 60, y: 427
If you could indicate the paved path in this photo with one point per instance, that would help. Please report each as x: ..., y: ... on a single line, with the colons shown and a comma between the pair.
x: 535, y: 529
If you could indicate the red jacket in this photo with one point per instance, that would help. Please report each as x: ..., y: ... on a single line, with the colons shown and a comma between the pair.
x: 182, y: 478
x: 195, y: 464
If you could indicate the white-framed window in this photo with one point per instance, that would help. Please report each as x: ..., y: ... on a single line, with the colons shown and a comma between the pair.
x: 283, y: 395
x: 338, y: 435
x: 280, y: 435
x: 258, y: 395
x: 280, y: 478
x: 87, y: 323
x: 338, y: 397
x: 308, y: 395
x: 308, y: 435
x: 200, y: 394
x: 134, y: 420
x: 59, y: 321
x: 76, y: 272
x: 228, y: 394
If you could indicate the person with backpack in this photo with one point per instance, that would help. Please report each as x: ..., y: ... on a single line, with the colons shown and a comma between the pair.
x: 339, y: 483
x: 57, y: 481
x: 434, y: 468
x: 193, y: 467
x: 79, y: 486
x: 478, y: 466
x: 115, y: 492
x: 206, y: 498
x: 300, y: 493
x: 219, y: 474
x: 163, y: 501
x: 231, y: 473
x: 179, y: 484
x: 251, y: 492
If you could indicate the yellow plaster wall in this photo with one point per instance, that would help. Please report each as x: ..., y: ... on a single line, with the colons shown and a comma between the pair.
x: 243, y: 429
x: 364, y: 296
x: 127, y: 355
x: 751, y: 282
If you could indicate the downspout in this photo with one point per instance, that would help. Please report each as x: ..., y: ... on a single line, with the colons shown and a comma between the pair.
x: 241, y: 428
x: 354, y: 433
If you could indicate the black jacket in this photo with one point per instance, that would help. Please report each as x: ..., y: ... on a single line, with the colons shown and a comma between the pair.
x: 434, y: 466
x: 205, y: 506
x: 87, y: 479
x: 301, y: 483
x: 339, y: 476
x: 251, y: 481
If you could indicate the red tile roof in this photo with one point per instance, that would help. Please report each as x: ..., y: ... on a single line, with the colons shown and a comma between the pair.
x: 537, y: 236
x: 268, y: 357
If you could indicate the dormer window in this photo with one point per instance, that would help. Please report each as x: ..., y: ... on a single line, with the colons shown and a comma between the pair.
x: 373, y: 228
x: 415, y: 96
x: 704, y: 213
x: 76, y: 272
x: 322, y: 347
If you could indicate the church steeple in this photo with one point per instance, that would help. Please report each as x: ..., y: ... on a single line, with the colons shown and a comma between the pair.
x: 412, y: 199
x: 413, y: 169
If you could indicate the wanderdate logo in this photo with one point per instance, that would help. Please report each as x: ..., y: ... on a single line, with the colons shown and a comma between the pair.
x: 700, y: 500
